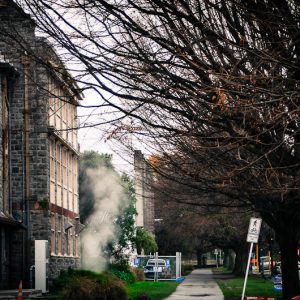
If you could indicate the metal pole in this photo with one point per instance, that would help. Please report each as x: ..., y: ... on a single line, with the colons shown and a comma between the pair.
x: 180, y: 264
x: 156, y: 267
x: 247, y: 271
x: 257, y: 266
x: 177, y: 265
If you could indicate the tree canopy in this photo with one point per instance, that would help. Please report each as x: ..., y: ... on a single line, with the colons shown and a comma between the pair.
x: 212, y: 84
x: 145, y: 241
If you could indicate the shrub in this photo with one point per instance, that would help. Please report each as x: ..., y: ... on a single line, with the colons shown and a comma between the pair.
x: 123, y: 272
x: 143, y: 297
x: 139, y: 273
x: 115, y: 289
x: 187, y: 269
x: 81, y: 288
x: 88, y: 285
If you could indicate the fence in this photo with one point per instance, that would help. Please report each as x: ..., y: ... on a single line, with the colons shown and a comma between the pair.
x: 157, y: 267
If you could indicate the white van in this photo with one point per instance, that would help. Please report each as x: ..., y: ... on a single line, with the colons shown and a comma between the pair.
x: 158, y: 266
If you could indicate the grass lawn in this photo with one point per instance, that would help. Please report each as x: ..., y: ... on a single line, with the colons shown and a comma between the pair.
x: 156, y: 290
x: 233, y: 287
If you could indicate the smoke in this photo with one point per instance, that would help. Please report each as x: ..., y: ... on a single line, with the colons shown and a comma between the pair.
x: 101, y: 228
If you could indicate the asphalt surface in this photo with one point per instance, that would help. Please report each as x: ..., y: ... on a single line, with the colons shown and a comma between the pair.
x: 200, y: 284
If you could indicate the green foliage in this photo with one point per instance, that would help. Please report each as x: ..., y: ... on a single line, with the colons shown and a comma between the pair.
x: 89, y: 160
x: 44, y: 204
x: 139, y: 274
x: 88, y: 285
x: 128, y: 276
x: 66, y: 276
x: 126, y: 220
x: 93, y: 160
x: 186, y: 269
x: 123, y: 272
x: 145, y: 240
x: 125, y: 230
x: 155, y: 290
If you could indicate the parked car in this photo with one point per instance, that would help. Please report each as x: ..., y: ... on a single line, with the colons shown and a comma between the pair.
x: 156, y: 265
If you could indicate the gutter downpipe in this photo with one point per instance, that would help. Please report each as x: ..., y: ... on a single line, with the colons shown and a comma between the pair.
x: 31, y: 276
x: 26, y: 63
x: 9, y: 100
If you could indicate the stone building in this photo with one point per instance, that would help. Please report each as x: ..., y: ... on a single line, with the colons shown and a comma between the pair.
x: 143, y: 178
x: 38, y: 152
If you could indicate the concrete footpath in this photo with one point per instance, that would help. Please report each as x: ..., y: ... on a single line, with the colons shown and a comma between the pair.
x: 200, y: 284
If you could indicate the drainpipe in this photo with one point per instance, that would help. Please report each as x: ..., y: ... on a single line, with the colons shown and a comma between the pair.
x: 10, y: 95
x: 31, y: 269
x: 26, y: 63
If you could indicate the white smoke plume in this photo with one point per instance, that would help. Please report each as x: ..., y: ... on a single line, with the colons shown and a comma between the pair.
x: 100, y: 230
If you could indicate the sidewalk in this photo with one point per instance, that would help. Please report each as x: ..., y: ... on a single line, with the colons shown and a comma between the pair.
x: 200, y: 284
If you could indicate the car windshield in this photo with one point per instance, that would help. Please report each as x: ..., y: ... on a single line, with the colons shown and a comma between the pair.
x: 158, y: 262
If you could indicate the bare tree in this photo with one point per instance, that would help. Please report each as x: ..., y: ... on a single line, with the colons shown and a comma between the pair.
x: 204, y: 220
x: 214, y: 81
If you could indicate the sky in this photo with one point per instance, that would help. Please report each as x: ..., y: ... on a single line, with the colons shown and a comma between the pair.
x: 97, y: 138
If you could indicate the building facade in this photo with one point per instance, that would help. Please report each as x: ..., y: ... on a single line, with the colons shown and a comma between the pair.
x: 38, y: 153
x: 143, y: 180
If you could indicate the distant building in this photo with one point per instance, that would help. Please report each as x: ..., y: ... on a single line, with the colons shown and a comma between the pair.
x: 38, y: 152
x: 143, y: 178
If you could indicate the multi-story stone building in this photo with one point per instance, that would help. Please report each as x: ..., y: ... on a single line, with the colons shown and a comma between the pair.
x: 38, y: 152
x: 143, y: 179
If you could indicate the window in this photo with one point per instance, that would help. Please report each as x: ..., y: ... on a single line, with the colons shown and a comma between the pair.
x: 58, y: 163
x: 76, y: 245
x: 52, y: 159
x: 52, y: 105
x: 71, y: 241
x: 75, y: 190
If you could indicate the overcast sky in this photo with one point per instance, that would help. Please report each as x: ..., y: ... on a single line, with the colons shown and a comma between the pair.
x: 97, y: 138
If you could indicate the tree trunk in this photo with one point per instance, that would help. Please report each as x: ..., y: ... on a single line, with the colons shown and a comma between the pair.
x: 229, y: 258
x: 289, y: 260
x: 199, y: 258
x: 226, y: 258
x: 240, y: 264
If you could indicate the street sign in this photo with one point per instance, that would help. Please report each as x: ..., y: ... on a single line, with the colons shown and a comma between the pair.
x: 252, y: 237
x: 253, y: 231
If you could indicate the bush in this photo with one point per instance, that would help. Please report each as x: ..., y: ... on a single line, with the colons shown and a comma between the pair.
x: 143, y: 297
x: 139, y: 273
x: 88, y: 285
x: 123, y: 272
x: 187, y: 269
x: 81, y: 288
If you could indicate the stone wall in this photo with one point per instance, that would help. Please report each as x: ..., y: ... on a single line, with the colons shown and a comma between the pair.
x: 7, y: 230
x: 144, y: 192
x: 18, y: 28
x: 1, y: 145
x: 148, y: 199
x: 59, y: 263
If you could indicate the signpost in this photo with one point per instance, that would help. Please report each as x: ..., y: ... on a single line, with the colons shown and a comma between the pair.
x: 252, y: 237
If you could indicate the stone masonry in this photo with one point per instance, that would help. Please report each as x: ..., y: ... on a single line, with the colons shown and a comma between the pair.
x: 144, y: 194
x: 29, y: 147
